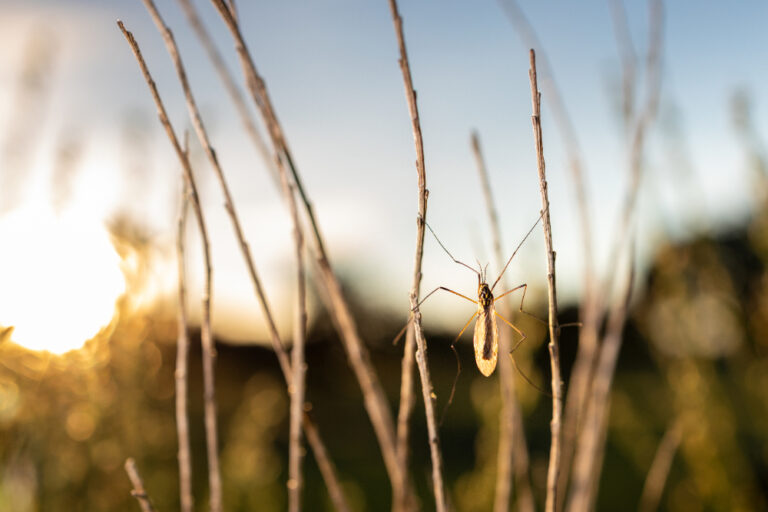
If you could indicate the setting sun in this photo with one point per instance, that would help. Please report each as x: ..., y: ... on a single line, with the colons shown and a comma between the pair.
x: 60, y: 278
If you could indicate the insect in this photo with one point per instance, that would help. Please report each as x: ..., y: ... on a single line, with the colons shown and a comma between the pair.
x: 486, y: 335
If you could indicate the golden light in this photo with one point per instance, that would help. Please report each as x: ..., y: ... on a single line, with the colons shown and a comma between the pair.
x: 59, y: 278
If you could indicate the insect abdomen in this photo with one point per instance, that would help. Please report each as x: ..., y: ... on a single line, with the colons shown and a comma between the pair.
x: 486, y: 340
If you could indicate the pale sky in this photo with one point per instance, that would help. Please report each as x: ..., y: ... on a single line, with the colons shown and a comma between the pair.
x: 331, y: 68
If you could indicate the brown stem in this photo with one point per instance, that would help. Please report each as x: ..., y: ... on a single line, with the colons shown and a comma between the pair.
x: 138, y: 491
x: 316, y: 443
x: 592, y: 434
x: 421, y: 344
x: 373, y: 395
x: 214, y: 476
x: 590, y: 315
x: 231, y: 87
x: 182, y: 362
x: 513, y: 448
x: 554, y: 354
x: 298, y: 366
x: 659, y: 470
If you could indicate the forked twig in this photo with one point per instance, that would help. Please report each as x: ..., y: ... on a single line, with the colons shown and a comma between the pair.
x: 138, y: 491
x: 373, y: 395
x: 421, y: 344
x: 214, y: 475
x: 554, y: 349
x: 513, y: 448
x: 182, y: 360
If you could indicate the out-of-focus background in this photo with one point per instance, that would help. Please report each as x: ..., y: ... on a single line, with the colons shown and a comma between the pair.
x: 90, y: 190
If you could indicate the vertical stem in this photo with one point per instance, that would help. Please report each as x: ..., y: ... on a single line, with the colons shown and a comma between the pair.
x: 214, y: 476
x: 554, y: 351
x: 315, y: 441
x: 182, y: 364
x: 374, y: 398
x: 659, y: 470
x: 231, y: 87
x: 513, y: 448
x: 421, y: 344
x: 138, y: 491
x: 298, y: 367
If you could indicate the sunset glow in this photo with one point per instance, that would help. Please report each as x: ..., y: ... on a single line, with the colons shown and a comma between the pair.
x: 60, y: 278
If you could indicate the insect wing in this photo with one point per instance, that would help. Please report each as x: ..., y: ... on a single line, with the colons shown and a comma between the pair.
x: 486, y: 340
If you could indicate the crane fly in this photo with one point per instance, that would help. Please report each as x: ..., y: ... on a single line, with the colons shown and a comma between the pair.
x: 486, y: 335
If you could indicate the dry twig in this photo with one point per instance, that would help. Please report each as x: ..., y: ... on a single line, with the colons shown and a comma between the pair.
x: 316, y: 443
x: 182, y: 360
x: 591, y: 438
x: 138, y: 491
x: 373, y: 395
x: 590, y: 316
x: 554, y: 349
x: 298, y: 367
x: 231, y: 87
x: 659, y: 470
x: 513, y: 449
x: 214, y: 475
x: 296, y: 388
x: 421, y: 344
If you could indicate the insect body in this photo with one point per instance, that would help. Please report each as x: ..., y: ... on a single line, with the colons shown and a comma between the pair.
x: 486, y: 338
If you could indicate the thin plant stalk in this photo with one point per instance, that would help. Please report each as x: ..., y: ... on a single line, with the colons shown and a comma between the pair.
x: 233, y: 91
x: 182, y: 363
x: 513, y: 449
x: 592, y: 434
x: 138, y: 491
x: 554, y: 349
x: 297, y: 386
x: 315, y: 441
x: 214, y: 475
x: 421, y: 344
x: 659, y: 470
x: 374, y: 399
x: 586, y: 469
x: 590, y: 310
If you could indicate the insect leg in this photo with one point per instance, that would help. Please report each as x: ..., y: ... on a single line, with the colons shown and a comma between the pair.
x: 523, y: 336
x: 458, y: 367
x: 522, y: 299
x: 447, y: 290
x: 523, y: 375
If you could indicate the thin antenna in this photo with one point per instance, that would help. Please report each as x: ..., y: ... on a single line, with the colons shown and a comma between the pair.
x: 517, y: 249
x: 451, y: 256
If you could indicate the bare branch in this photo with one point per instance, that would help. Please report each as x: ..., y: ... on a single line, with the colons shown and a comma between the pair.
x: 231, y: 87
x: 182, y: 361
x: 373, y: 395
x: 214, y: 476
x: 138, y: 491
x: 421, y: 344
x: 316, y: 443
x: 590, y: 310
x: 659, y: 470
x: 628, y: 59
x: 513, y: 448
x: 554, y: 349
x: 592, y: 434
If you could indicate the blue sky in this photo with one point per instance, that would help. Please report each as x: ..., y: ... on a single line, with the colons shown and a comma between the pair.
x: 332, y: 70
